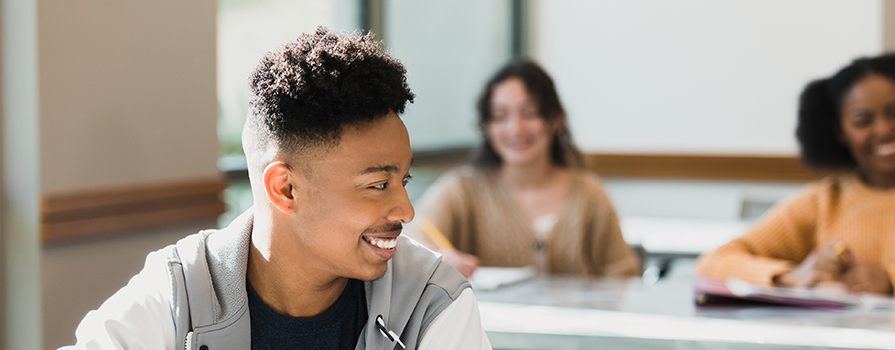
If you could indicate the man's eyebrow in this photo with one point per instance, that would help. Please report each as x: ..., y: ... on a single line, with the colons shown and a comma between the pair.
x: 383, y: 168
x: 379, y: 169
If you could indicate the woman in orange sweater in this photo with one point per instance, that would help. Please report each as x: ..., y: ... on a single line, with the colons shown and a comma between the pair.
x: 842, y: 228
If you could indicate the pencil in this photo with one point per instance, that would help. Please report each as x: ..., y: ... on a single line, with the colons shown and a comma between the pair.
x: 435, y: 235
x: 839, y: 248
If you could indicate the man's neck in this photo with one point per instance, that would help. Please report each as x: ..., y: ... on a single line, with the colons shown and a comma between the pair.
x: 285, y: 286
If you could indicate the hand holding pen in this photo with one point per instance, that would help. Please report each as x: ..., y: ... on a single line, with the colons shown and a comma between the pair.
x: 835, y: 261
x: 862, y: 276
x: 465, y: 263
x: 827, y: 262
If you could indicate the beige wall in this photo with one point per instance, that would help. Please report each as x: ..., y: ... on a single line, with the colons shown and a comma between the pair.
x: 127, y: 92
x: 127, y: 96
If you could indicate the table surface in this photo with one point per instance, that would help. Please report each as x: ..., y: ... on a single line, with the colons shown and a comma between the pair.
x: 604, y: 313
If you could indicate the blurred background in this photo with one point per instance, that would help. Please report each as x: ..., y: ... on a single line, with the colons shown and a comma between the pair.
x: 121, y: 120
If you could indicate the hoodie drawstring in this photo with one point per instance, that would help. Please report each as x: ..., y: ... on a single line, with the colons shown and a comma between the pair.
x: 392, y: 337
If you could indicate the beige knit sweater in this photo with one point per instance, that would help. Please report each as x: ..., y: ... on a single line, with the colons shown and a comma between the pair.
x: 835, y: 208
x: 476, y: 213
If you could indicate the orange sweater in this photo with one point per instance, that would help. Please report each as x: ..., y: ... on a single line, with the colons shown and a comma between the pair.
x: 835, y: 208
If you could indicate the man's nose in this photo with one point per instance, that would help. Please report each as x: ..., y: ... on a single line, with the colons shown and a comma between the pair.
x: 402, y: 210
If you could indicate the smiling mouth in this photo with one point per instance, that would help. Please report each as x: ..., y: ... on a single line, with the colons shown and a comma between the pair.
x: 382, y: 242
x: 518, y: 144
x: 884, y: 150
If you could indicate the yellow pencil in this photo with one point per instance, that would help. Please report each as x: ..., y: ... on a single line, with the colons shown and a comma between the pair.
x: 839, y: 248
x: 435, y: 235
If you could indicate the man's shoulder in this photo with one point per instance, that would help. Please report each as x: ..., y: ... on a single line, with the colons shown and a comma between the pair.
x: 410, y: 251
x: 416, y: 289
x: 171, y: 255
x: 422, y: 266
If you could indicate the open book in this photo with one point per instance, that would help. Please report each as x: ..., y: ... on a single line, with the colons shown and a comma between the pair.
x: 711, y: 292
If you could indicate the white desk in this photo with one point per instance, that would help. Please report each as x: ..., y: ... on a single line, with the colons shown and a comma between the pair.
x: 575, y: 313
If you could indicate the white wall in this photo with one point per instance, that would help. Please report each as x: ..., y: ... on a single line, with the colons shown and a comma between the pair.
x: 637, y: 76
x: 695, y: 199
x: 695, y: 76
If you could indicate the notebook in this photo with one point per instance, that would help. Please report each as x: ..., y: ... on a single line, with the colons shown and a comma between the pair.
x: 711, y: 292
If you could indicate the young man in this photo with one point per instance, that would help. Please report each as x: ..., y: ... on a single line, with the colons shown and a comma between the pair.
x: 319, y: 262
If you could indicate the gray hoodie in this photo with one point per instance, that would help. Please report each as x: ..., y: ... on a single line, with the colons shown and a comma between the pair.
x: 209, y: 306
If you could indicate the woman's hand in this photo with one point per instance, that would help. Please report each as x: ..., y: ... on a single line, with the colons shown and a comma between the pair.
x: 867, y: 277
x: 826, y: 262
x: 465, y: 263
x: 835, y: 261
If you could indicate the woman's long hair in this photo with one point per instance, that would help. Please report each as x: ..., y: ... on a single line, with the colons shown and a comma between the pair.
x: 540, y: 86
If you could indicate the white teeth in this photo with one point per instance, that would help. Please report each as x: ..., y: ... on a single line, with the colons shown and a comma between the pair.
x: 885, y: 150
x: 384, y: 243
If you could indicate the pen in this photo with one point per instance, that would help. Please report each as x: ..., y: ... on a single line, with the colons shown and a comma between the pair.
x: 387, y: 333
x: 435, y: 235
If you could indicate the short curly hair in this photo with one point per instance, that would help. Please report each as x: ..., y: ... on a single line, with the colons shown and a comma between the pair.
x: 306, y: 93
x: 820, y: 108
x: 540, y: 86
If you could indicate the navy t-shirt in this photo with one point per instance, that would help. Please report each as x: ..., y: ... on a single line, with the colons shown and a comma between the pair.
x: 338, y: 328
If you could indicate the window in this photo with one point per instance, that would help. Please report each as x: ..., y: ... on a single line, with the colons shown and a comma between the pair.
x: 249, y: 28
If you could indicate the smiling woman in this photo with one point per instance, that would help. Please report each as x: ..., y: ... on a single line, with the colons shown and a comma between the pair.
x: 526, y: 200
x: 841, y: 229
x: 868, y: 121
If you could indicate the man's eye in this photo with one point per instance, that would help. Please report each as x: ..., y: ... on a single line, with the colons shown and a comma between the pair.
x: 407, y: 179
x: 381, y: 186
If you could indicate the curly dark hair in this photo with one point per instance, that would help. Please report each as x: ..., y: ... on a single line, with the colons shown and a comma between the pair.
x: 307, y: 92
x: 540, y: 86
x: 820, y: 108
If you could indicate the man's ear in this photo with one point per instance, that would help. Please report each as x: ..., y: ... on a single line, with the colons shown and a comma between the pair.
x: 279, y: 183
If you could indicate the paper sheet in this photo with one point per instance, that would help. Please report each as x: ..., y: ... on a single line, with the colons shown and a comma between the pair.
x: 486, y: 278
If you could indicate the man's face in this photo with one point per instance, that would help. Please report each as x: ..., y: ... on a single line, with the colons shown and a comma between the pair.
x: 353, y: 203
